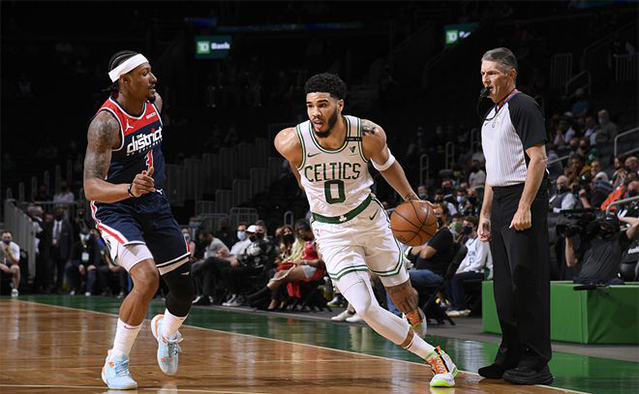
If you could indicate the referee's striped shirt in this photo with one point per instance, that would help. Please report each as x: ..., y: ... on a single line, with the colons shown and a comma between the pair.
x: 506, y: 134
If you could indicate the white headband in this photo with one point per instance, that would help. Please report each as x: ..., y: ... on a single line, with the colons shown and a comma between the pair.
x: 127, y: 66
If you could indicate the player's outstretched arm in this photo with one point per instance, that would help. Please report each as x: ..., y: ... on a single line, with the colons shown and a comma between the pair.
x: 289, y: 146
x: 374, y: 143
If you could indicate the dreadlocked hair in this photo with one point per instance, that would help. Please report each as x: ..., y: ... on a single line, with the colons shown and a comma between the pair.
x: 117, y: 59
x: 326, y: 83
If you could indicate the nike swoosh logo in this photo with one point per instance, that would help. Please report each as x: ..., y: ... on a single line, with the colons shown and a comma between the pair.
x: 373, y: 217
x: 185, y: 273
x: 313, y: 155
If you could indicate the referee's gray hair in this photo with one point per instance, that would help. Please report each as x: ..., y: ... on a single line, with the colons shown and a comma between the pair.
x: 501, y: 55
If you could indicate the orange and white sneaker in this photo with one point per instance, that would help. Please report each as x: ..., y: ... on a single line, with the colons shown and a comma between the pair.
x: 443, y: 368
x: 417, y: 320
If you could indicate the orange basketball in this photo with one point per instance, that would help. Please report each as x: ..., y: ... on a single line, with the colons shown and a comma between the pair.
x: 413, y: 223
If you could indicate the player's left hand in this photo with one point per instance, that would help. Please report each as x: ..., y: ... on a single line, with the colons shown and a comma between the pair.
x: 522, y: 219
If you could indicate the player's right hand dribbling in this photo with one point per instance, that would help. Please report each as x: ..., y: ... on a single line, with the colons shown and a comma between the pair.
x: 143, y: 183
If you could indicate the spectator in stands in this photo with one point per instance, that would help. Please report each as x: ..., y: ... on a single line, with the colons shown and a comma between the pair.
x: 595, y: 169
x: 253, y: 260
x: 42, y: 194
x: 586, y: 150
x: 619, y: 175
x: 472, y: 267
x: 439, y: 198
x: 113, y: 279
x: 632, y: 164
x: 577, y: 167
x: 597, y: 193
x: 203, y: 271
x: 10, y: 261
x: 581, y: 105
x: 563, y: 133
x: 607, y: 130
x: 555, y: 168
x: 226, y: 233
x: 477, y: 177
x: 629, y: 188
x: 305, y: 266
x: 84, y: 259
x: 563, y: 198
x: 189, y: 241
x: 600, y: 250
x: 431, y: 259
x: 422, y: 192
x: 80, y: 223
x: 65, y: 195
x: 61, y: 237
x: 590, y: 129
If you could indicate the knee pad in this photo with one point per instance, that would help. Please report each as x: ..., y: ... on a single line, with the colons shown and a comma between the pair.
x: 181, y: 292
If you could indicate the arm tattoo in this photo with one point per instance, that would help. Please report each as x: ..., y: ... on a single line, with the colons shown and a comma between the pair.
x: 101, y: 135
x: 369, y: 127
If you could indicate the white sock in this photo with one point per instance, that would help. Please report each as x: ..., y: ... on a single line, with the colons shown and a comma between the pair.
x: 419, y: 347
x: 170, y: 325
x: 124, y: 338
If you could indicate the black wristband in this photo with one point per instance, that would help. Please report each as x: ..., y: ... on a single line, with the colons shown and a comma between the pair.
x: 129, y: 191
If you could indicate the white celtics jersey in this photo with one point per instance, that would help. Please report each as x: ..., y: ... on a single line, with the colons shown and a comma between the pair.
x: 336, y: 181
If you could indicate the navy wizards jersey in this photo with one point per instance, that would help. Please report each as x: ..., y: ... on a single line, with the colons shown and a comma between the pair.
x: 140, y: 148
x: 147, y: 219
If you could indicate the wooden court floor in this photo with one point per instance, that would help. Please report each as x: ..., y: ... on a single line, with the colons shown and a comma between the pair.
x: 58, y: 345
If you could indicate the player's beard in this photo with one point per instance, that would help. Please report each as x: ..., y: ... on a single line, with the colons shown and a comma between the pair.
x: 151, y: 98
x: 331, y: 123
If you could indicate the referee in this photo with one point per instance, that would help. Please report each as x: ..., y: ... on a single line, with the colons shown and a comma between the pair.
x: 513, y: 218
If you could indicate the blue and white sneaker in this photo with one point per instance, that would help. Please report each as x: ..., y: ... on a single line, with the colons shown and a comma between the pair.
x: 116, y: 375
x: 167, y: 350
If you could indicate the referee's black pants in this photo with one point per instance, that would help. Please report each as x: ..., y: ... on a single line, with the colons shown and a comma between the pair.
x: 521, y: 265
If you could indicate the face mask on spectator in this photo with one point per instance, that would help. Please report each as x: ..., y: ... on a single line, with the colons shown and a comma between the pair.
x: 241, y: 235
x: 187, y: 237
x: 84, y: 237
x: 6, y: 241
x: 468, y: 230
x: 460, y: 198
x: 58, y: 216
x: 602, y: 121
x: 423, y: 196
x: 457, y: 227
x: 472, y: 200
x: 288, y: 238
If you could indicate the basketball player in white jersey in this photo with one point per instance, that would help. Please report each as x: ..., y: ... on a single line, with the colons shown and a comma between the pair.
x: 330, y: 153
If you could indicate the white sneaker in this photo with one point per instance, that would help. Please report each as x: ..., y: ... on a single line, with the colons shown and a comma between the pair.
x: 168, y: 350
x: 87, y: 294
x: 355, y: 318
x: 72, y: 292
x: 15, y: 293
x: 116, y: 375
x: 230, y: 300
x: 463, y: 313
x: 238, y: 301
x: 342, y: 316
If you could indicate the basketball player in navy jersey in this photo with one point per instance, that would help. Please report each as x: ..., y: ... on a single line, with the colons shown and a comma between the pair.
x: 123, y: 177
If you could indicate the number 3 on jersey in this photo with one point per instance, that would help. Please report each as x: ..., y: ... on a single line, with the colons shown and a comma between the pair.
x: 148, y: 160
x: 332, y: 188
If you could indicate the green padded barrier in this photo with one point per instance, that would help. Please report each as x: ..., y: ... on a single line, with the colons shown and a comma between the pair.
x: 605, y: 315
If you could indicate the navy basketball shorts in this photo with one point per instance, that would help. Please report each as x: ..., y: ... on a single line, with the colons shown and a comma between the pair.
x: 139, y: 229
